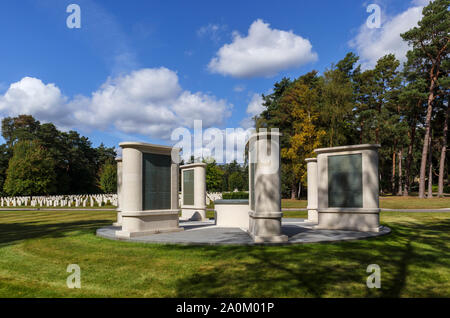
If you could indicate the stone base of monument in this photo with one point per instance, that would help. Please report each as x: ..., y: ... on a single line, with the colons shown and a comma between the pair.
x: 119, y: 219
x: 313, y: 215
x: 353, y: 219
x: 193, y: 214
x: 135, y: 224
x: 265, y: 227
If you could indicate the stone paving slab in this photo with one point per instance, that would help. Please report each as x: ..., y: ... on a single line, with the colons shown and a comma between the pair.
x: 299, y: 231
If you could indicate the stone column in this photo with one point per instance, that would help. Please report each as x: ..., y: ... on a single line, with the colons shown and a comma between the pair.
x: 265, y: 188
x: 197, y: 210
x: 312, y: 190
x: 131, y: 179
x: 119, y: 192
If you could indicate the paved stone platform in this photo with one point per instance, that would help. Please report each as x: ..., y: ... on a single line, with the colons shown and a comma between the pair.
x: 299, y: 231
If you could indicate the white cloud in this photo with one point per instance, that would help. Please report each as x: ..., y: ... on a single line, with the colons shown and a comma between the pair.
x: 212, y: 31
x: 32, y: 96
x: 254, y: 108
x: 148, y: 102
x: 371, y: 44
x: 421, y: 2
x: 263, y: 52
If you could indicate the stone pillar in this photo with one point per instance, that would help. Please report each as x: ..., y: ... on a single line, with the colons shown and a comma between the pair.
x: 193, y: 200
x: 348, y: 187
x: 131, y: 179
x: 265, y: 188
x: 312, y: 190
x: 149, y: 197
x: 119, y: 192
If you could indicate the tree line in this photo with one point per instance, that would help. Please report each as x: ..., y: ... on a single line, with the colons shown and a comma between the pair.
x: 402, y: 107
x: 39, y: 159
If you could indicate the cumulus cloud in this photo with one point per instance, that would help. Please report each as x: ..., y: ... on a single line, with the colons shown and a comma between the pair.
x: 32, y: 96
x: 263, y: 52
x: 150, y: 102
x: 371, y: 44
x: 254, y: 108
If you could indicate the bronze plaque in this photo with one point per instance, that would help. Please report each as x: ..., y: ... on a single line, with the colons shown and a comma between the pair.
x: 345, y: 181
x: 188, y: 187
x: 156, y: 183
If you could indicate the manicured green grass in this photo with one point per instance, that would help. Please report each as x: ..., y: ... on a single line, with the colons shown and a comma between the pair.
x: 297, y: 204
x: 414, y: 203
x: 37, y: 247
x: 388, y: 203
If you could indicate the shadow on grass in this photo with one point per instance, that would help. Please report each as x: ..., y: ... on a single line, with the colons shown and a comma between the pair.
x: 11, y: 233
x: 315, y: 270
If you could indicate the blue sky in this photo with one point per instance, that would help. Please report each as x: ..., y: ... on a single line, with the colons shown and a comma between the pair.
x: 136, y: 70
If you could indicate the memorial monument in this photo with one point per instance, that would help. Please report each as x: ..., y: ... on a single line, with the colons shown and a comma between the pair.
x: 348, y: 185
x: 149, y: 189
x: 193, y: 192
x: 265, y: 188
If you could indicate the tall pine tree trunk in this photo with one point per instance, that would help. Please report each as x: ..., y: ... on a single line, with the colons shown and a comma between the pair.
x: 400, y: 172
x: 393, y: 172
x: 426, y: 139
x: 443, y: 153
x: 430, y: 171
x: 293, y: 191
x: 409, y: 159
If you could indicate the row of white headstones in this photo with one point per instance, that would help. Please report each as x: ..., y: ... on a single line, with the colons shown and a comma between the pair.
x: 76, y: 200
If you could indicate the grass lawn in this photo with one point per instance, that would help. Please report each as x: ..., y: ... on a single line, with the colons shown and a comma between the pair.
x: 37, y: 247
x: 388, y: 203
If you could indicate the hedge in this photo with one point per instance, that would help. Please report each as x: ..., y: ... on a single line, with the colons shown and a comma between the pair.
x: 235, y: 195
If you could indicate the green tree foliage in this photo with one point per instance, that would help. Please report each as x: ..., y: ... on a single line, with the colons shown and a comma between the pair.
x: 31, y: 170
x: 76, y: 163
x: 214, y: 176
x: 4, y: 161
x: 108, y: 178
x: 336, y: 109
x: 236, y: 181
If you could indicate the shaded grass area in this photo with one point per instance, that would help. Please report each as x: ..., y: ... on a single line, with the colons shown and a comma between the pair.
x: 37, y: 247
x: 388, y: 203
